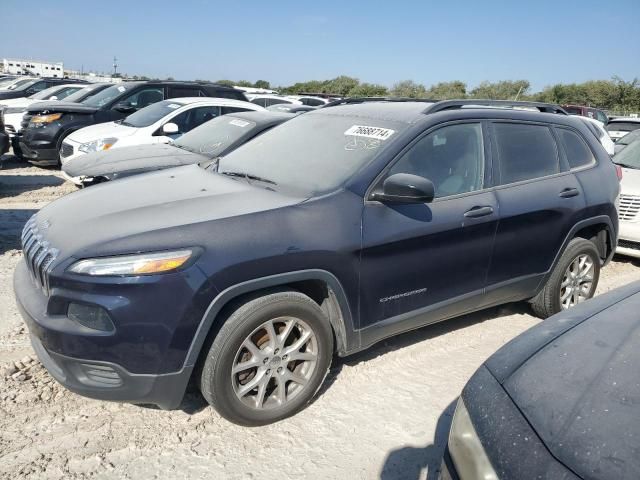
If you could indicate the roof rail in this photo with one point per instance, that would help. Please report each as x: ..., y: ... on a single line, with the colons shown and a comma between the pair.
x: 454, y: 104
x: 348, y: 100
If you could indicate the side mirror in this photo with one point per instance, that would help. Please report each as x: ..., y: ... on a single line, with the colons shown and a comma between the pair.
x: 53, y: 98
x: 406, y: 188
x: 170, y: 129
x: 124, y: 107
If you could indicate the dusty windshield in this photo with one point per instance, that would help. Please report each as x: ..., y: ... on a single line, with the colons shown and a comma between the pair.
x: 107, y: 95
x: 312, y: 154
x: 212, y: 138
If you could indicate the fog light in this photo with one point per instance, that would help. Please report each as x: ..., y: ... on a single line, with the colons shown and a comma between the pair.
x: 90, y: 316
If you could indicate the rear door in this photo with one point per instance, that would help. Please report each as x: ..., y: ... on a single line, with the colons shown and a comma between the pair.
x: 539, y: 201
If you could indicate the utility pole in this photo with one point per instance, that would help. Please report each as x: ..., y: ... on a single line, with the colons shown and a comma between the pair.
x: 115, y: 66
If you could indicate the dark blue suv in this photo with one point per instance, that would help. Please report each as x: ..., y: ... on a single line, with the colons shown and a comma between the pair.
x: 327, y: 234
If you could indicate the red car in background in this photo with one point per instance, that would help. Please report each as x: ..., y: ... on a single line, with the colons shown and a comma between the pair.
x: 587, y: 112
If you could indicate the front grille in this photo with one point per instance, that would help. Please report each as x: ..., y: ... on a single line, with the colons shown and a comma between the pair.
x: 66, y: 150
x: 629, y: 206
x: 629, y: 244
x: 38, y: 254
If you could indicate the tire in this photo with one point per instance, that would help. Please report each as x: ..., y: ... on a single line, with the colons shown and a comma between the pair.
x: 548, y: 302
x: 262, y: 390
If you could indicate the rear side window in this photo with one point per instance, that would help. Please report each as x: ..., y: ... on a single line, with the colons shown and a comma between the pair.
x: 177, y: 92
x: 577, y: 152
x: 525, y: 152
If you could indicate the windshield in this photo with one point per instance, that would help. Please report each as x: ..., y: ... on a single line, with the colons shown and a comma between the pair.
x: 151, y: 114
x: 314, y: 153
x: 47, y: 92
x: 83, y: 93
x: 614, y: 126
x: 107, y: 95
x: 22, y: 84
x: 6, y: 81
x: 213, y: 137
x: 630, y: 156
x: 629, y: 137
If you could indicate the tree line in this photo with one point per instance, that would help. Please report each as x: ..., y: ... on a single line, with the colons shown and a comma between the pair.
x: 615, y: 95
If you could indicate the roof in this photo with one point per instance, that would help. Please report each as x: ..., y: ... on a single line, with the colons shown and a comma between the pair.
x: 264, y: 117
x: 223, y: 102
x: 407, y: 112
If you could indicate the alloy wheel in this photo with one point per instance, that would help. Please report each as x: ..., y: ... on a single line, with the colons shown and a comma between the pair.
x: 577, y: 282
x: 274, y: 363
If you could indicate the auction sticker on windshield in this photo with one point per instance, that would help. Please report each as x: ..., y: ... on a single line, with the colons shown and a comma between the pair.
x: 378, y: 133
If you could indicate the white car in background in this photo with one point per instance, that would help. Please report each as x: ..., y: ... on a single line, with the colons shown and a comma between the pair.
x: 161, y: 122
x: 268, y: 100
x: 309, y: 100
x: 598, y: 129
x: 629, y: 201
x: 11, y: 83
x: 618, y: 127
x: 14, y: 109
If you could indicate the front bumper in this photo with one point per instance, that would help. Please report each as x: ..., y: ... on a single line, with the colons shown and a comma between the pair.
x: 629, y: 239
x: 95, y: 373
x: 40, y: 154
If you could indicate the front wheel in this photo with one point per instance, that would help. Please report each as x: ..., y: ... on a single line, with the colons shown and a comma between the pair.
x: 268, y: 360
x: 573, y: 280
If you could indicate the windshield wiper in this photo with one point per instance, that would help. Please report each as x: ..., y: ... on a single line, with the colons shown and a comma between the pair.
x: 126, y: 124
x: 248, y: 177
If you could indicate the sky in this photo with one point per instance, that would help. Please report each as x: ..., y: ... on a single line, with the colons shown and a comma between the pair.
x: 283, y: 42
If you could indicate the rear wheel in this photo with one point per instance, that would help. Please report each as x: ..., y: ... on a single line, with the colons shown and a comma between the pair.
x: 573, y: 280
x: 268, y: 359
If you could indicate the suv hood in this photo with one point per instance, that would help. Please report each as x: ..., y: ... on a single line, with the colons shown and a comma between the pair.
x: 108, y: 218
x: 139, y: 158
x: 580, y: 392
x: 17, y: 102
x: 102, y: 130
x: 61, y: 106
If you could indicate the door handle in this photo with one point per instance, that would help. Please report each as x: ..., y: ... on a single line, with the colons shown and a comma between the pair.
x: 569, y: 192
x: 476, y: 212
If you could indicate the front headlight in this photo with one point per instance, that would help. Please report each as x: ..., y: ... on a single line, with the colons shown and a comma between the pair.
x: 45, y: 119
x: 98, y: 145
x: 143, y: 264
x: 467, y: 452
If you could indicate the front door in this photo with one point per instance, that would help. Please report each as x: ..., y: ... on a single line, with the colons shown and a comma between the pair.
x: 421, y: 262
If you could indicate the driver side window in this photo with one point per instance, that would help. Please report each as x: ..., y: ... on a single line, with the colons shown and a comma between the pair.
x: 452, y: 157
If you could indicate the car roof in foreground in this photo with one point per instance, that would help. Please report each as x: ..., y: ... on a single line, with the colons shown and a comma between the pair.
x: 574, y: 377
x: 263, y: 117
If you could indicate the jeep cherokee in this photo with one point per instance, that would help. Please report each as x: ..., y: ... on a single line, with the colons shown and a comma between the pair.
x: 329, y: 233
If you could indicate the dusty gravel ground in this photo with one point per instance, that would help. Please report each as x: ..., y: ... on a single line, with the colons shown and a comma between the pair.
x: 382, y: 414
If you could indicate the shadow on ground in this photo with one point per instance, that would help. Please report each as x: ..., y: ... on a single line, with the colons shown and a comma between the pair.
x: 11, y: 223
x: 418, y: 463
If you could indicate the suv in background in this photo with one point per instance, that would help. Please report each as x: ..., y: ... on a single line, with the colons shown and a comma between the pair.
x: 250, y: 274
x: 47, y: 124
x: 620, y: 126
x: 589, y: 112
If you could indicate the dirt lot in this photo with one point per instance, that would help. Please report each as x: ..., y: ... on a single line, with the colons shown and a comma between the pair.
x: 382, y: 414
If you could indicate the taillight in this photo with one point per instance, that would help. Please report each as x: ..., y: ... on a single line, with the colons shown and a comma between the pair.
x: 618, y: 172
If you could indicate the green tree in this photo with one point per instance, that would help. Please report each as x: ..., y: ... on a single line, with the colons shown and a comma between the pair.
x: 502, y: 90
x: 228, y: 83
x: 408, y: 89
x: 368, y: 90
x: 447, y: 90
x: 262, y: 84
